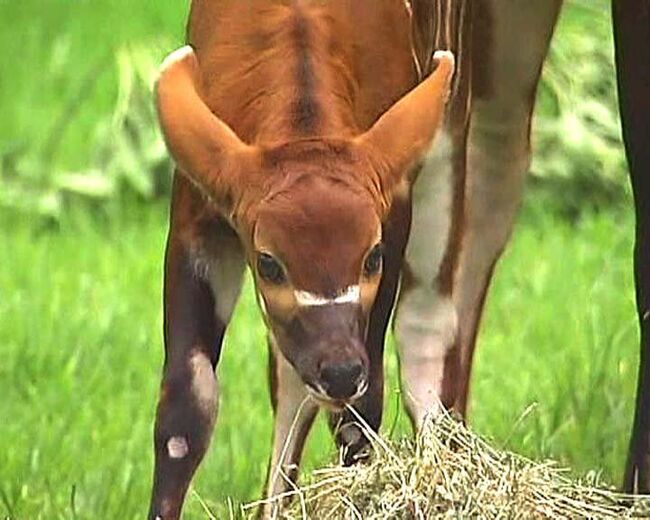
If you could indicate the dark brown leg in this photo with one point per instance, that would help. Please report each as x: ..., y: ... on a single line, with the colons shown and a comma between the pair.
x: 632, y: 37
x: 185, y: 416
x: 194, y: 332
x: 370, y: 406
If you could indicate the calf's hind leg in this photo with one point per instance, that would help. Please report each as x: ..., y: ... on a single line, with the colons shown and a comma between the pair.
x: 195, y: 322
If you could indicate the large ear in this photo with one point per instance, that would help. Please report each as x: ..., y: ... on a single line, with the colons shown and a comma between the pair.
x: 404, y: 133
x: 205, y: 148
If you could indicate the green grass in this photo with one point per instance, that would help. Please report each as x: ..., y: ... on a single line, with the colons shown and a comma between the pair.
x: 81, y: 351
x: 58, y: 60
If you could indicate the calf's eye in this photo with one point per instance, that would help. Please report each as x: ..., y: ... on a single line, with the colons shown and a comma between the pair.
x: 374, y: 260
x: 270, y: 269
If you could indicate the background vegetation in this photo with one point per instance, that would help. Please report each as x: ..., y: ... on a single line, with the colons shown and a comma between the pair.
x: 83, y: 189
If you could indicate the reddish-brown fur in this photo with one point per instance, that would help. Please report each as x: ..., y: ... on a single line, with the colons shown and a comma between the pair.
x: 299, y: 165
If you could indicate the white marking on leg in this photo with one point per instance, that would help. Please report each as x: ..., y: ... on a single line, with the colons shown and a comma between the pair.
x: 177, y: 447
x: 426, y: 321
x: 204, y: 382
x: 225, y: 275
x: 350, y: 294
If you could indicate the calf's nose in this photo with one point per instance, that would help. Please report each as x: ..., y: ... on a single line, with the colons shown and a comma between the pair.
x: 341, y: 380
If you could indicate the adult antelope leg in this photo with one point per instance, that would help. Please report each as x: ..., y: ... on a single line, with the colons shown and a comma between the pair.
x: 345, y: 426
x: 198, y: 305
x: 632, y: 37
x: 511, y: 40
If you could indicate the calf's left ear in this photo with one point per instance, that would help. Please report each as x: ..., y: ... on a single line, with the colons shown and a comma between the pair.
x: 206, y: 149
x: 404, y: 133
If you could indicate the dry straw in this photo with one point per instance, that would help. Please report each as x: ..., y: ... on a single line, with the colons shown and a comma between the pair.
x: 450, y: 472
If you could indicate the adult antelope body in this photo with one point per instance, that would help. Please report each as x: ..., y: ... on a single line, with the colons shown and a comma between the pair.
x: 314, y: 144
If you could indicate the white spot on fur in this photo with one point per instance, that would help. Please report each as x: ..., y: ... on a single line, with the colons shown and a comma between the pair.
x: 201, y: 264
x: 177, y: 447
x: 350, y: 295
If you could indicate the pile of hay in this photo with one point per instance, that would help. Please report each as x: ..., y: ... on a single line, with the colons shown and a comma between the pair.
x: 450, y: 472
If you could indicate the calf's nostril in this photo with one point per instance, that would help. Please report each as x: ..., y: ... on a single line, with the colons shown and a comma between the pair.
x: 341, y: 380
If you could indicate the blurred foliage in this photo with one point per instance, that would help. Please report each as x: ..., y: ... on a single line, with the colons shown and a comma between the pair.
x: 578, y: 153
x: 128, y: 156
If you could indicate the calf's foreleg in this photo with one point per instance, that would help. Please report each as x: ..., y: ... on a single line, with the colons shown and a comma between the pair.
x: 195, y: 323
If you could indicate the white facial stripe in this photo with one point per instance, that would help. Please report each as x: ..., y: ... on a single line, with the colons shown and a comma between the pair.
x: 350, y: 295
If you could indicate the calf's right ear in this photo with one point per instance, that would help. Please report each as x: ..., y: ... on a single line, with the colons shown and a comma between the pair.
x: 405, y: 132
x: 205, y: 148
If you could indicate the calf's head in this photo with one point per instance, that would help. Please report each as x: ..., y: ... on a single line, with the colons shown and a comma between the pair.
x: 309, y: 214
